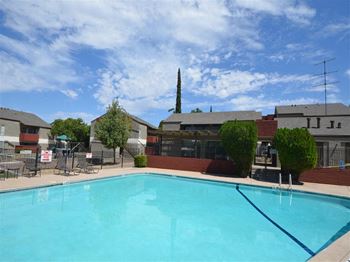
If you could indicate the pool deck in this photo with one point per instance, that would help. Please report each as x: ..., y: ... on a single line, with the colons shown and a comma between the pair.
x: 338, y: 251
x: 48, y: 178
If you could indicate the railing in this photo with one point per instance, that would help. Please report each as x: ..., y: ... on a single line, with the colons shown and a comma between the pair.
x: 32, y: 138
x: 333, y: 157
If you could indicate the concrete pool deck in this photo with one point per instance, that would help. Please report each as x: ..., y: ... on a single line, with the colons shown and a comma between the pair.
x: 48, y: 178
x: 338, y: 251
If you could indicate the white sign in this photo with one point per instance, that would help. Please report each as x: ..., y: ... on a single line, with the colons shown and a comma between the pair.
x: 88, y: 155
x: 46, y: 156
x: 25, y: 152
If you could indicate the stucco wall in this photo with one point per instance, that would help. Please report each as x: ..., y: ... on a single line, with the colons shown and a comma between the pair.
x: 324, y: 130
x: 171, y: 126
x: 44, y: 134
x: 12, y: 131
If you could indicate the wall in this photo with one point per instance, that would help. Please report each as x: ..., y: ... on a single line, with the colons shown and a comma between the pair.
x: 12, y: 130
x: 44, y: 137
x: 324, y: 130
x: 332, y: 176
x: 171, y: 126
x: 192, y: 164
x: 266, y: 128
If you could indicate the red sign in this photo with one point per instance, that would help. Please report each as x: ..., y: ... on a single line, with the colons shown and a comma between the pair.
x: 46, y: 156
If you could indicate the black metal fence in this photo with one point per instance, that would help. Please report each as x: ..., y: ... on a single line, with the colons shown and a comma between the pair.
x: 333, y: 157
x: 16, y: 163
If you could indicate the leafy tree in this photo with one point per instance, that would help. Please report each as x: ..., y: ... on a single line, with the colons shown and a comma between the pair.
x: 239, y: 140
x: 197, y: 110
x: 75, y: 129
x: 178, y: 92
x: 113, y: 128
x: 296, y: 150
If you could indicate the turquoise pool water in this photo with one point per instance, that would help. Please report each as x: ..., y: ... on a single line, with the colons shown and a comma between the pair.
x: 154, y: 217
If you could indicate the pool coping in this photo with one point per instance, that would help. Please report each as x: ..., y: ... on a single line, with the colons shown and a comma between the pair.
x: 335, y: 252
x: 172, y: 175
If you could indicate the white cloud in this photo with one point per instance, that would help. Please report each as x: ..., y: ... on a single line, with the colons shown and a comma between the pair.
x: 348, y: 73
x: 70, y: 93
x: 298, y: 13
x: 336, y: 28
x: 225, y: 83
x: 260, y: 102
x: 144, y: 43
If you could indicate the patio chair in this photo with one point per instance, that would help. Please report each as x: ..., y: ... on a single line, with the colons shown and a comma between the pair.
x: 86, y: 167
x: 30, y: 168
x: 64, y: 167
x: 12, y: 168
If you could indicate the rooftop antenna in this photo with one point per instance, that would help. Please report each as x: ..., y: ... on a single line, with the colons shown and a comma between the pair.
x: 325, y: 82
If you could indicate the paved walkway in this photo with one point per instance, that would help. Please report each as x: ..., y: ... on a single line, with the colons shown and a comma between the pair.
x: 48, y: 178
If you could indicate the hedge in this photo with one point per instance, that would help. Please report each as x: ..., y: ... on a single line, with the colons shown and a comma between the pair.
x: 239, y: 139
x: 140, y: 161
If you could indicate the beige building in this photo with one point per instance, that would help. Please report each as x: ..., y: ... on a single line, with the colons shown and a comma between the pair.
x: 329, y: 126
x: 138, y: 136
x: 22, y: 130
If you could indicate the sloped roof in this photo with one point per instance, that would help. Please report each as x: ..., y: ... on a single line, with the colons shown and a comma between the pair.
x: 211, y: 117
x: 25, y: 118
x: 135, y: 118
x: 314, y: 109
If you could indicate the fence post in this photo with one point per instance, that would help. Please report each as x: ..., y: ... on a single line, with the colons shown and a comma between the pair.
x: 73, y: 159
x: 122, y: 159
x: 36, y: 160
x: 65, y: 162
x: 101, y: 158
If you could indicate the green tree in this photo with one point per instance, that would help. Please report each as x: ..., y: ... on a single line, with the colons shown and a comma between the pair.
x: 197, y: 110
x: 239, y: 139
x: 75, y: 129
x: 178, y: 92
x: 113, y: 128
x: 296, y: 150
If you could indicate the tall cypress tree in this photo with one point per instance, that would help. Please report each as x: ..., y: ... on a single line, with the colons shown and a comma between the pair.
x: 178, y: 92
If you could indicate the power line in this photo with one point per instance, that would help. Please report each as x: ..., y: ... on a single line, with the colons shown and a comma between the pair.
x: 325, y: 73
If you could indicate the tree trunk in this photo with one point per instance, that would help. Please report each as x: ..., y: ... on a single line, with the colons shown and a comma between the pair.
x: 114, y: 155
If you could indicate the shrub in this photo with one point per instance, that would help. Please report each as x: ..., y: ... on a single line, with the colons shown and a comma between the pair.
x: 296, y: 150
x: 239, y: 140
x: 140, y: 161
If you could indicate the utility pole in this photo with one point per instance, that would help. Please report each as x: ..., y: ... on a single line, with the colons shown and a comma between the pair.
x: 325, y: 82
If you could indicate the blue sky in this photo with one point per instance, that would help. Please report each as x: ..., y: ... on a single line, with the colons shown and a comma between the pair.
x: 71, y: 58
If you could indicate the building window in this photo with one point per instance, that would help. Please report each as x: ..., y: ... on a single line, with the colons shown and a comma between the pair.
x: 318, y: 122
x: 332, y: 124
x: 308, y: 122
x: 339, y: 125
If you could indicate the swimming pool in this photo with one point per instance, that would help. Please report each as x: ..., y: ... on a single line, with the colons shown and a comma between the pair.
x: 147, y: 217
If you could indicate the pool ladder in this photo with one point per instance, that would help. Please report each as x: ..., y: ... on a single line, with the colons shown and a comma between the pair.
x: 280, y: 181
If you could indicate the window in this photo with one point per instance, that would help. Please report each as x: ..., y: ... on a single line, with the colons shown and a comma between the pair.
x: 332, y: 124
x: 308, y: 122
x: 339, y: 125
x: 318, y: 122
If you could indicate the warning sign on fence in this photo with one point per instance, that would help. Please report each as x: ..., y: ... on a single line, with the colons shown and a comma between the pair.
x: 46, y: 156
x: 88, y: 155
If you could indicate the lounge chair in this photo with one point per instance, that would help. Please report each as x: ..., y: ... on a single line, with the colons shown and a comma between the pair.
x: 64, y: 167
x: 85, y: 167
x: 30, y: 168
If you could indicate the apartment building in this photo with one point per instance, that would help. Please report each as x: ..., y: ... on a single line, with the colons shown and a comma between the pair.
x: 22, y: 130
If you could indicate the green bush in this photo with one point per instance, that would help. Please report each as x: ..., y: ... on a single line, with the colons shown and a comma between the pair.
x: 239, y: 140
x: 140, y: 161
x: 296, y: 150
